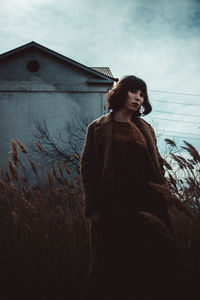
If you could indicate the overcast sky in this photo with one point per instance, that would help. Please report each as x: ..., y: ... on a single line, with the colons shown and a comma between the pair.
x: 156, y: 40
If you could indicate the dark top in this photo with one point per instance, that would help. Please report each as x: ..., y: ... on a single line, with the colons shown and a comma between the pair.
x: 132, y: 168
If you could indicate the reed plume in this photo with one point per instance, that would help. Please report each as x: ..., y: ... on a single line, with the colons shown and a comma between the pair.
x: 60, y: 169
x: 22, y: 147
x: 14, y: 151
x: 66, y: 167
x: 13, y: 171
x: 75, y: 156
x: 39, y: 147
x: 33, y: 166
x: 42, y: 168
x: 170, y: 142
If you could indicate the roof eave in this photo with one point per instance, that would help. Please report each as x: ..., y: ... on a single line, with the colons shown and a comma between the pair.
x: 60, y: 56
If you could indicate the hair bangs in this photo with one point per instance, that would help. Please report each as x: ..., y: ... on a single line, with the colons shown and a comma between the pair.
x: 138, y: 84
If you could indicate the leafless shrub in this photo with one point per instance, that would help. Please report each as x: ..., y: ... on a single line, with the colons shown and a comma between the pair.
x: 66, y: 144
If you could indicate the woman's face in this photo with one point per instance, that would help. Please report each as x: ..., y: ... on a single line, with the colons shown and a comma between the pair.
x: 134, y: 100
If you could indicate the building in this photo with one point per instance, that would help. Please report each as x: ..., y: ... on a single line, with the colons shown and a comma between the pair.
x: 35, y: 80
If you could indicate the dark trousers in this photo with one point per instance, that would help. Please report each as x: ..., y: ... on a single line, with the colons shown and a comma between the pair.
x: 133, y: 259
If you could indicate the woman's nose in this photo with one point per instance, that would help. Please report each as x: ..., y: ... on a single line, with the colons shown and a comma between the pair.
x: 137, y: 95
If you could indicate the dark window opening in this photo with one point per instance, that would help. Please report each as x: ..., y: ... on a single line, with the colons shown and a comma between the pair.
x: 33, y: 66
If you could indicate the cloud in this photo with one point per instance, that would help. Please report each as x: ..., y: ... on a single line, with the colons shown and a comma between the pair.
x: 157, y: 40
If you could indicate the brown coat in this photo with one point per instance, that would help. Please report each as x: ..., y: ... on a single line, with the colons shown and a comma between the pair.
x: 96, y: 161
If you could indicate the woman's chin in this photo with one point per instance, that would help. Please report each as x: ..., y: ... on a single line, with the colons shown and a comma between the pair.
x: 134, y: 110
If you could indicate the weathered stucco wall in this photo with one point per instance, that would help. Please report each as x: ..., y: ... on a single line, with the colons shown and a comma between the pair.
x: 56, y: 91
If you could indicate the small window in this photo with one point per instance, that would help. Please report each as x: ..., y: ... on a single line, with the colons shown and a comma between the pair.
x: 33, y: 66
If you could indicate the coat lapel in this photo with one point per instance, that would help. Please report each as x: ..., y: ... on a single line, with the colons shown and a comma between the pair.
x: 104, y: 129
x: 103, y: 134
x: 152, y: 150
x: 151, y: 143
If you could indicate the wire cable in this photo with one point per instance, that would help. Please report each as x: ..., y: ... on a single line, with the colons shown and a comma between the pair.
x: 180, y: 132
x: 177, y: 93
x: 167, y: 112
x: 183, y: 137
x: 163, y: 101
x: 174, y: 120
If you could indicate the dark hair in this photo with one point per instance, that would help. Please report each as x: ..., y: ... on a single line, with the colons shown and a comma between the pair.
x: 117, y: 95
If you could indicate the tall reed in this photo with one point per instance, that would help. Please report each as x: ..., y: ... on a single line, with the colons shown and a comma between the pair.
x: 45, y: 238
x: 43, y: 232
x: 183, y: 183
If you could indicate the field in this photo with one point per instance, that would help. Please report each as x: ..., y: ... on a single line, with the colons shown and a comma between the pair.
x: 45, y: 238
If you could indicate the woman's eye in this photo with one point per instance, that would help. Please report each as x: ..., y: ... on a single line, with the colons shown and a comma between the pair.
x: 142, y: 95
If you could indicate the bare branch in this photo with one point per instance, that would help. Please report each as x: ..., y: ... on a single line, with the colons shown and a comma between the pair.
x: 65, y: 142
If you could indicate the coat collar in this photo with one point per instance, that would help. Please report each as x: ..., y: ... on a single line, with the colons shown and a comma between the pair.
x: 108, y: 118
x: 105, y: 119
x: 104, y: 128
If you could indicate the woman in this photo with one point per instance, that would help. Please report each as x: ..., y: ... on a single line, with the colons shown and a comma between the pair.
x: 119, y: 160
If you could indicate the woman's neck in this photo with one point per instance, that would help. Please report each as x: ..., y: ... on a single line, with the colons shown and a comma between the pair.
x: 122, y: 116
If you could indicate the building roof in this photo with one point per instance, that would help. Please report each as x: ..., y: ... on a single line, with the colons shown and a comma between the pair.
x: 101, y: 72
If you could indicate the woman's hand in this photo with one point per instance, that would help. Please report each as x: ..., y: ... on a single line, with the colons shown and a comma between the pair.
x: 95, y: 216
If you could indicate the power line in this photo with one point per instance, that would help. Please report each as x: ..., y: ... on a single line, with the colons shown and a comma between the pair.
x: 167, y: 112
x: 183, y: 137
x: 177, y: 120
x: 175, y: 102
x: 180, y: 132
x: 177, y: 93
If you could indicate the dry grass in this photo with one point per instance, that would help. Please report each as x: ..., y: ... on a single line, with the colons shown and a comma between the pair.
x: 44, y: 237
x: 43, y: 233
x: 183, y: 174
x: 183, y: 196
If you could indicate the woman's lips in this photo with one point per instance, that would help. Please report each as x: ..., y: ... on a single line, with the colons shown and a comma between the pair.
x: 135, y: 104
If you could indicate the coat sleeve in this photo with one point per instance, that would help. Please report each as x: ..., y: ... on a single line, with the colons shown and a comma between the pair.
x: 161, y: 160
x: 88, y: 170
